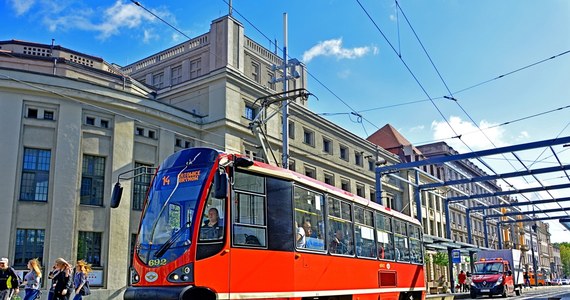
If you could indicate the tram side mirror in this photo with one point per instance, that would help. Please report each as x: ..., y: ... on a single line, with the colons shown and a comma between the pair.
x: 116, y: 195
x: 220, y: 185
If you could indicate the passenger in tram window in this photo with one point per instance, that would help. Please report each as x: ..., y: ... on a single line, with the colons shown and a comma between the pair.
x: 302, y: 233
x: 338, y: 245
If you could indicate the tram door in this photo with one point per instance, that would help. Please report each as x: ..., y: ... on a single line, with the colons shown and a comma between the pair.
x: 212, y: 255
x: 261, y: 236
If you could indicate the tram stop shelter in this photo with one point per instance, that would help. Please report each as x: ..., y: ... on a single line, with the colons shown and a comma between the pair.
x: 530, y: 209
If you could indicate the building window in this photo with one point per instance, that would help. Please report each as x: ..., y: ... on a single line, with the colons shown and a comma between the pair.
x: 89, y: 247
x: 255, y: 71
x: 90, y: 121
x: 371, y: 165
x: 35, y: 175
x: 310, y: 172
x: 29, y: 245
x: 329, y: 179
x: 32, y: 113
x: 270, y: 80
x: 358, y: 158
x: 104, y: 124
x: 292, y: 165
x: 360, y: 190
x: 132, y: 248
x: 343, y: 151
x: 249, y: 112
x: 141, y: 182
x: 291, y: 130
x: 196, y: 68
x: 92, y: 180
x: 158, y: 80
x: 373, y: 195
x: 48, y: 115
x: 308, y: 137
x: 345, y: 184
x: 176, y: 75
x: 152, y: 134
x: 139, y: 131
x: 327, y: 146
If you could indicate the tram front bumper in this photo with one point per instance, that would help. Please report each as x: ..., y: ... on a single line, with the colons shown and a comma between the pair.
x: 154, y: 293
x: 169, y: 293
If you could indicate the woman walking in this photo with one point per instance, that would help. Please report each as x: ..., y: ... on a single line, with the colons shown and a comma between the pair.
x: 32, y: 280
x: 62, y: 281
x: 80, y: 279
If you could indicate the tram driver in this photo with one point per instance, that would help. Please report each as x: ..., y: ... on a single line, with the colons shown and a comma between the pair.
x: 212, y: 228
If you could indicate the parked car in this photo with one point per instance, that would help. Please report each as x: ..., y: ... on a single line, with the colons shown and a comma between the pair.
x: 565, y: 281
x: 557, y: 281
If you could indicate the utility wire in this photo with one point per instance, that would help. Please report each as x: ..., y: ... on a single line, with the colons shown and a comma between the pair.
x: 353, y: 111
x: 161, y: 19
x: 441, y: 78
x: 408, y: 68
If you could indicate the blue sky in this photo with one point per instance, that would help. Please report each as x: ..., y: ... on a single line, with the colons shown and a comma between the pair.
x: 469, y: 42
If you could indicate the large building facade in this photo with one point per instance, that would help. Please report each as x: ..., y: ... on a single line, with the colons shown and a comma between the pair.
x: 73, y: 123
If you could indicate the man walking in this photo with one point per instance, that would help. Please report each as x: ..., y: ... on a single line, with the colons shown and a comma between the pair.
x: 9, y: 281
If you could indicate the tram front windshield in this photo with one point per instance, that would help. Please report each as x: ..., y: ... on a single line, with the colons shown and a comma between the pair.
x: 166, y: 226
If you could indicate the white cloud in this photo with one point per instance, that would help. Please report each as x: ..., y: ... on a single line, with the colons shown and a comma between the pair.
x: 107, y: 21
x: 334, y: 48
x: 21, y: 6
x: 469, y: 133
x: 149, y: 35
x: 418, y: 128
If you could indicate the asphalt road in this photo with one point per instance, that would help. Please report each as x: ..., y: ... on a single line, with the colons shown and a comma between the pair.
x: 540, y: 293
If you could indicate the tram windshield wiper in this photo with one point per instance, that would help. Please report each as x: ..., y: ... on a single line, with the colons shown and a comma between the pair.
x: 168, y: 244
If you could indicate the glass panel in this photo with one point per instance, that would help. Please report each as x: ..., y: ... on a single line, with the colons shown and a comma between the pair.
x: 248, y: 182
x: 340, y: 232
x: 309, y: 219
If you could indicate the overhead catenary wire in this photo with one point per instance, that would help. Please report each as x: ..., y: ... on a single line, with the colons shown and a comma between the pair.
x: 427, y: 94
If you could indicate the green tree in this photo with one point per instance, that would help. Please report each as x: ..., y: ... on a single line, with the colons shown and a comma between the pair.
x: 565, y: 257
x: 441, y: 259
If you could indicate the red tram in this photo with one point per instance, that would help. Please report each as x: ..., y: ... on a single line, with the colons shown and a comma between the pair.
x: 220, y: 226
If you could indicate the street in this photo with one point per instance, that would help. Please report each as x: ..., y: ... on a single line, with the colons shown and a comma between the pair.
x: 551, y: 293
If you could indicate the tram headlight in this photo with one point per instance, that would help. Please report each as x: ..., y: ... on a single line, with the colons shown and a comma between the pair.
x: 182, y: 274
x: 135, y: 278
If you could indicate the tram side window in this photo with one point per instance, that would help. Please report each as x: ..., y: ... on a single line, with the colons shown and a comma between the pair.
x: 401, y: 241
x: 248, y: 211
x: 309, y: 219
x: 384, y: 236
x: 212, y: 220
x: 340, y: 227
x: 364, y: 232
x: 416, y: 253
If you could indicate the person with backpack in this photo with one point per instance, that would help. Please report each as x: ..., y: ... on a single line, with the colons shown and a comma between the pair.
x: 80, y: 282
x: 9, y: 280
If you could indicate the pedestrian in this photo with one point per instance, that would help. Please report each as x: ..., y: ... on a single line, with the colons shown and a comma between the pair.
x: 461, y: 278
x: 54, y: 271
x: 468, y: 281
x: 526, y: 279
x: 62, y: 282
x: 32, y: 280
x: 9, y: 280
x: 80, y: 282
